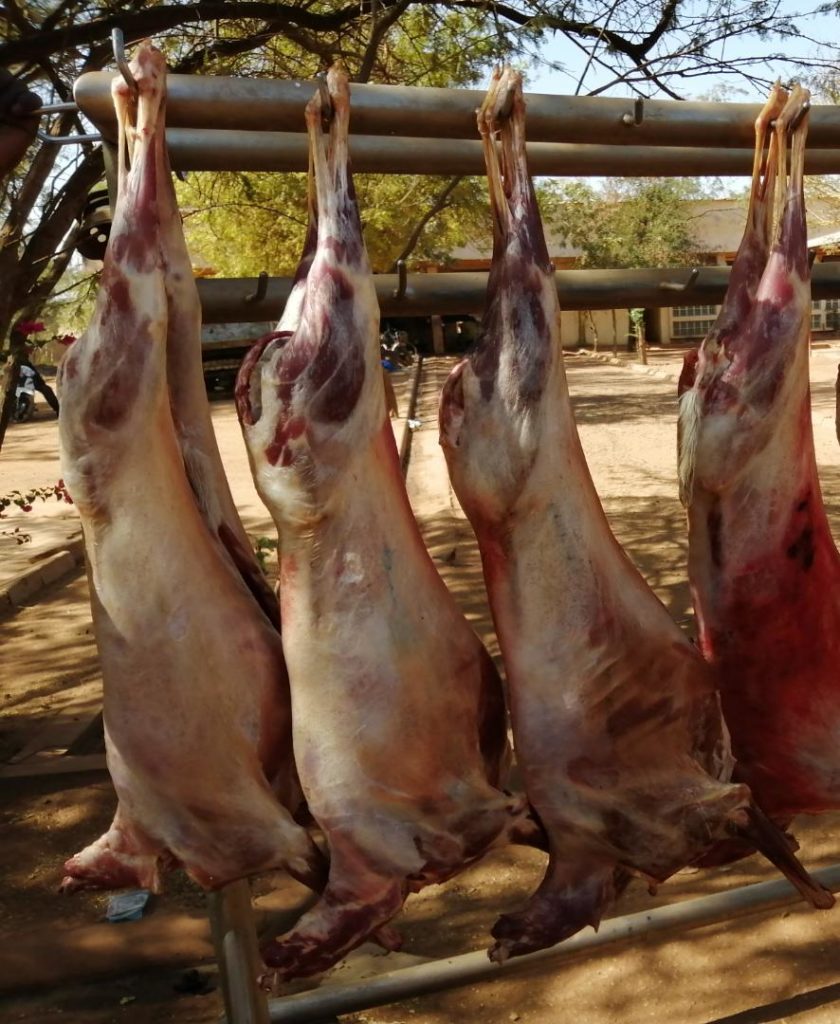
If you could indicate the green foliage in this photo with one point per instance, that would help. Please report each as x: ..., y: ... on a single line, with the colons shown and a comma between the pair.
x: 240, y: 224
x: 638, y: 222
x: 68, y: 311
x: 263, y: 547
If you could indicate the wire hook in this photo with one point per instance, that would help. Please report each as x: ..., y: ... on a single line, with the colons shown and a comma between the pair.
x: 118, y: 46
x: 796, y: 120
x: 262, y: 287
x: 638, y: 115
x: 676, y: 286
x: 327, y: 112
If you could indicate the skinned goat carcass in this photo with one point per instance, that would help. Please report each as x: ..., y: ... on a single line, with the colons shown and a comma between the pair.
x: 399, y: 723
x: 196, y: 703
x: 616, y: 721
x: 188, y: 400
x: 764, y: 570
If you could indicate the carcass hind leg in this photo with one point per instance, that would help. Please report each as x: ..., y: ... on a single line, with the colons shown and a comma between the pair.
x: 567, y: 900
x: 355, y: 906
x: 770, y: 840
x: 122, y: 857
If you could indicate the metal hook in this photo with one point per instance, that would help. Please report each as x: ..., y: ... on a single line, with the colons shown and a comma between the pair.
x: 66, y: 140
x: 54, y: 108
x: 61, y: 140
x: 118, y: 46
x: 402, y: 280
x: 676, y: 286
x: 638, y: 115
x: 262, y: 287
x: 326, y: 102
x: 796, y: 120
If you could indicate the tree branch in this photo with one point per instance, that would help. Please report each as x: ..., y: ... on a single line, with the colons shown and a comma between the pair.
x: 43, y: 289
x: 380, y: 29
x: 153, y: 20
x: 438, y: 206
x: 47, y: 237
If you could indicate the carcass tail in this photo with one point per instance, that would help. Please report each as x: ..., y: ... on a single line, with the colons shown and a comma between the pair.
x: 566, y: 901
x: 688, y: 435
x: 766, y: 837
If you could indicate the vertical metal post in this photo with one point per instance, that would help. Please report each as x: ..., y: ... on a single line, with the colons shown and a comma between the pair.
x: 109, y: 158
x: 235, y: 940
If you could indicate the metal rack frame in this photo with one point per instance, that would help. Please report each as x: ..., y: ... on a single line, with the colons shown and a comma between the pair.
x: 230, y: 300
x: 323, y: 1005
x: 261, y: 104
x: 220, y: 124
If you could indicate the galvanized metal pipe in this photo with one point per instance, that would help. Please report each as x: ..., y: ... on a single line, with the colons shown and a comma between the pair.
x: 224, y: 300
x: 235, y: 941
x: 327, y: 1002
x: 242, y: 104
x: 205, y: 149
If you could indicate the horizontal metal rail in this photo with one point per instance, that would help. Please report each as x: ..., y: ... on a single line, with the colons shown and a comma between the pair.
x: 243, y: 104
x: 329, y: 1001
x: 230, y: 300
x: 197, y: 149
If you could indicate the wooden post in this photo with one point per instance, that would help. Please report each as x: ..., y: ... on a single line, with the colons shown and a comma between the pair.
x: 438, y: 345
x: 637, y: 317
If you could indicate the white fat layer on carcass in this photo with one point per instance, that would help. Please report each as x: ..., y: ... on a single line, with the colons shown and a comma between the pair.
x: 396, y: 635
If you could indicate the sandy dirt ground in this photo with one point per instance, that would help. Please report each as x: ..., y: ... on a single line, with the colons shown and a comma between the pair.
x: 777, y: 966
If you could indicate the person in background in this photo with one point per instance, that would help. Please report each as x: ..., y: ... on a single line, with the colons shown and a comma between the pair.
x: 20, y: 339
x: 17, y: 123
x: 38, y: 381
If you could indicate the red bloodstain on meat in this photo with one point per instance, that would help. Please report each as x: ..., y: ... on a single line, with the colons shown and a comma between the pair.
x: 764, y: 569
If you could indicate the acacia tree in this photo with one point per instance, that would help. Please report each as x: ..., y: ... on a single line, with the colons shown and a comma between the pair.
x: 636, y: 222
x: 633, y: 222
x: 650, y: 46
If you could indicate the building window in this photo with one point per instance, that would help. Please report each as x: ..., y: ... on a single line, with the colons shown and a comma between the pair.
x: 692, y: 321
x: 825, y: 315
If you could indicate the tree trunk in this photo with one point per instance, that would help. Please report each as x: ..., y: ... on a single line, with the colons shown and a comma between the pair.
x: 8, y: 381
x: 591, y: 319
x: 641, y: 341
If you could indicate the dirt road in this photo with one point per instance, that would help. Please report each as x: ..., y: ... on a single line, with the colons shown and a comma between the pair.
x: 774, y: 966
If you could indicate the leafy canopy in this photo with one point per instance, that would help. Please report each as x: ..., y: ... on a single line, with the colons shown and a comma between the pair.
x: 632, y: 222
